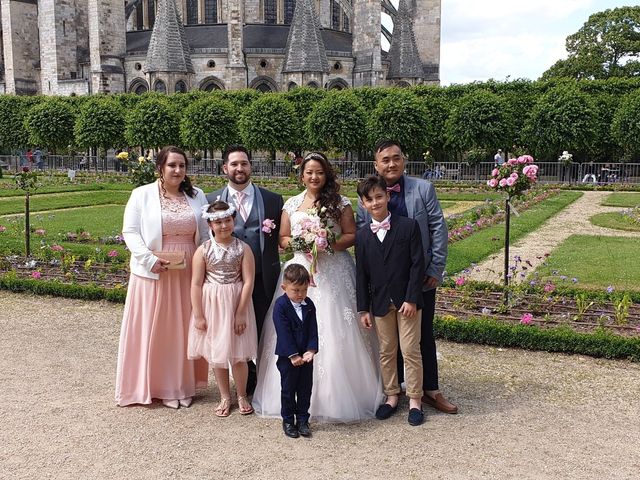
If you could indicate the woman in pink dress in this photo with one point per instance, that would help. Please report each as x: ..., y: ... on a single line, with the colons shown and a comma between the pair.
x: 160, y: 219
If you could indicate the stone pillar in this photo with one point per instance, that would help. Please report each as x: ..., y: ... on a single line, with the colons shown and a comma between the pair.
x: 426, y: 27
x: 365, y: 26
x: 21, y: 46
x: 107, y: 44
x: 236, y: 67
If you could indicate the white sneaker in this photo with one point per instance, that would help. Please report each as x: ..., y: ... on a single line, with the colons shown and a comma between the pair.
x: 175, y: 404
x: 186, y: 402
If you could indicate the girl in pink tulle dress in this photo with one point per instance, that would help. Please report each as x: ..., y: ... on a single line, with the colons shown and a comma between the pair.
x: 223, y: 323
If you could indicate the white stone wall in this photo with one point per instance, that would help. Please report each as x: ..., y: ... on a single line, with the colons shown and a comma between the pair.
x: 426, y: 27
x: 20, y: 42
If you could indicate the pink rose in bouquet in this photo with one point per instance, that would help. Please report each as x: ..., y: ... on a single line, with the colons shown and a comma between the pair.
x: 311, y: 236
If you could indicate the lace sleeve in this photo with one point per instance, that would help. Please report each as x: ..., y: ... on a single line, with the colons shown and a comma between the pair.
x: 344, y: 201
x: 292, y: 204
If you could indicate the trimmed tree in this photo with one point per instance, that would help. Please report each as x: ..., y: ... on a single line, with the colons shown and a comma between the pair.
x: 269, y: 123
x: 13, y: 110
x: 100, y: 123
x: 625, y: 127
x: 154, y: 123
x: 401, y: 116
x: 209, y: 124
x: 50, y: 124
x: 563, y: 118
x: 337, y: 122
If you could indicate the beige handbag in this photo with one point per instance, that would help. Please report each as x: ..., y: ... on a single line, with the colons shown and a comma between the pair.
x: 177, y: 260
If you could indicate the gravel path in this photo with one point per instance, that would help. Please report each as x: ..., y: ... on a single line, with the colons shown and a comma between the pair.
x: 524, y: 415
x: 573, y: 220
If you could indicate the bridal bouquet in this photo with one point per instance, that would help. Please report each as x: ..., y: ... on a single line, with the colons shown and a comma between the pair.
x: 311, y: 236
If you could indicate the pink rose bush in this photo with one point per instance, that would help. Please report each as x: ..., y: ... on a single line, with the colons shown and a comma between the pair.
x: 515, y: 176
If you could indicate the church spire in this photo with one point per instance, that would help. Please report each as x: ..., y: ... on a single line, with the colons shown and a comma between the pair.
x: 168, y: 47
x: 305, y: 48
x: 403, y: 53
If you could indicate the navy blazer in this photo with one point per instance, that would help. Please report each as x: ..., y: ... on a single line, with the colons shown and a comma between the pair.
x: 391, y: 271
x: 294, y: 336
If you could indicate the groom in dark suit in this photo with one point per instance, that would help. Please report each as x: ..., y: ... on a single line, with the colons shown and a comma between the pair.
x: 416, y: 198
x: 255, y: 207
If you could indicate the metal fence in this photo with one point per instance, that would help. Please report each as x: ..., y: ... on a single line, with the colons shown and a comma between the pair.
x: 552, y: 172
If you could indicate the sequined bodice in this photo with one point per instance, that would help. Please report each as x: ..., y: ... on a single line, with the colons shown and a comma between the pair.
x: 177, y: 217
x: 224, y: 262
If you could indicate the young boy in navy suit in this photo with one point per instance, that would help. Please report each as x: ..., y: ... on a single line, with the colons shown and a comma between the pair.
x: 390, y: 271
x: 294, y: 316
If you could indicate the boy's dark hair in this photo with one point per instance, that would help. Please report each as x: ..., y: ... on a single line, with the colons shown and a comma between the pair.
x: 385, y: 143
x: 368, y: 184
x: 235, y: 148
x: 296, y: 274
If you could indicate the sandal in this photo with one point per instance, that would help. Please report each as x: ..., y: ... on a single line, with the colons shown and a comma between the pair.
x: 244, y: 406
x: 223, y: 408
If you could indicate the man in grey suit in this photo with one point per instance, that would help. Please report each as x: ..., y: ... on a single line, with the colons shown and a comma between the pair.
x: 254, y: 205
x: 416, y: 198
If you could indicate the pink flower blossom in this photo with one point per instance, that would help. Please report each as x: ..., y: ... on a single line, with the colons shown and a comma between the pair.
x: 527, y: 159
x: 268, y: 225
x: 3, y: 228
x: 460, y: 281
x: 36, y: 274
x: 514, y: 175
x: 549, y: 287
x: 493, y: 183
x: 526, y: 319
x: 40, y: 231
x: 503, y: 182
x: 57, y: 248
x: 510, y: 181
x: 495, y: 172
x: 112, y: 253
x: 321, y: 243
x: 512, y: 161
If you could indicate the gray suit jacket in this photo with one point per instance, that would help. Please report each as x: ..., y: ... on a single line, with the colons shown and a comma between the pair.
x: 423, y: 206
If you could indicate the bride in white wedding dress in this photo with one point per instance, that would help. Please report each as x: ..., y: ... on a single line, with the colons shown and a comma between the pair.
x: 346, y: 376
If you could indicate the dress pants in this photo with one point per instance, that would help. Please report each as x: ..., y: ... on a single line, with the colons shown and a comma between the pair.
x: 295, y: 396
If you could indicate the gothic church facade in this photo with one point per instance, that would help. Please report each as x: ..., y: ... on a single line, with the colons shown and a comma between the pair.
x: 64, y: 47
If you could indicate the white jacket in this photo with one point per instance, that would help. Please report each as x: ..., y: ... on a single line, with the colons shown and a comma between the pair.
x: 142, y: 226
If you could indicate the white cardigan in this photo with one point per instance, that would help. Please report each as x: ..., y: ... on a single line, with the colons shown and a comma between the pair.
x: 142, y: 226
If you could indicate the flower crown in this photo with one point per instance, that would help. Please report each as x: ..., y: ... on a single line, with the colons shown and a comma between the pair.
x: 217, y: 214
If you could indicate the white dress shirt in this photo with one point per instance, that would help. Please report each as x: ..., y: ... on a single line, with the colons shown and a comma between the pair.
x: 248, y: 197
x: 298, y: 308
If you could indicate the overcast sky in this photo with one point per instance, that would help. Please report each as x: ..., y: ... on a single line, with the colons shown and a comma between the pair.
x: 483, y: 39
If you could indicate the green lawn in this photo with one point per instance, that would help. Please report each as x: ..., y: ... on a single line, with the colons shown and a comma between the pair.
x: 622, y: 199
x: 615, y: 220
x: 596, y: 262
x: 489, y: 241
x: 10, y: 191
x: 57, y: 201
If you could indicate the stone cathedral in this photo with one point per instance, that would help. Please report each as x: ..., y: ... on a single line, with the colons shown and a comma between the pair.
x: 65, y: 47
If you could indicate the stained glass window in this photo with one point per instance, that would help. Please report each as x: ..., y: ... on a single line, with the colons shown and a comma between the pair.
x: 345, y: 22
x: 139, y: 17
x: 151, y: 12
x: 336, y: 13
x: 289, y: 8
x: 192, y: 12
x: 270, y: 11
x: 210, y: 11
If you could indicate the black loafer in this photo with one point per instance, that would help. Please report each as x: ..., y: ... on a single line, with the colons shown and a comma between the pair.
x: 304, y: 430
x: 290, y: 430
x: 385, y: 411
x: 416, y: 417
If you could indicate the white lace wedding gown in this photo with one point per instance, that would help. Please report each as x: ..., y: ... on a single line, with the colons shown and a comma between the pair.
x: 346, y: 376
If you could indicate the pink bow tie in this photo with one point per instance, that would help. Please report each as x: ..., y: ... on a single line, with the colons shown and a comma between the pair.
x: 384, y: 225
x: 395, y: 188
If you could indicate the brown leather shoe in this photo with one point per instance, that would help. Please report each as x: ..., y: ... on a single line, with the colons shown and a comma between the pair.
x: 440, y: 403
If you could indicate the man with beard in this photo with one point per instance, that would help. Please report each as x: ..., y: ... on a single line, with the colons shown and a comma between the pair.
x: 257, y: 210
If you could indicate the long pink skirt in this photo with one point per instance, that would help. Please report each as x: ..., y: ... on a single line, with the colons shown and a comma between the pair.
x: 152, y: 357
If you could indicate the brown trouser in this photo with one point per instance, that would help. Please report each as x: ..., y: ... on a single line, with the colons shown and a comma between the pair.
x: 388, y: 328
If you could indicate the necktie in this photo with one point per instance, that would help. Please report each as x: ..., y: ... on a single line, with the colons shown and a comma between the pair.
x: 384, y: 225
x: 240, y: 196
x: 395, y: 188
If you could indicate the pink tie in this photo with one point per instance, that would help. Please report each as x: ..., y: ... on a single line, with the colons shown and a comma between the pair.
x: 384, y: 225
x: 240, y: 196
x: 395, y: 188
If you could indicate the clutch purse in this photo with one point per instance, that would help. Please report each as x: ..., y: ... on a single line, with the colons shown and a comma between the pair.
x: 177, y: 260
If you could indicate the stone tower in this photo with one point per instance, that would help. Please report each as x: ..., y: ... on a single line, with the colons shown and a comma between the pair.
x: 107, y: 45
x: 426, y: 27
x: 367, y: 70
x: 305, y: 60
x: 405, y: 66
x: 20, y: 44
x: 168, y: 63
x: 236, y: 66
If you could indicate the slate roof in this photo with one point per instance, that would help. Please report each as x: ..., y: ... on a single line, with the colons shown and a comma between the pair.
x: 403, y: 53
x: 305, y: 50
x: 168, y: 47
